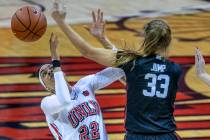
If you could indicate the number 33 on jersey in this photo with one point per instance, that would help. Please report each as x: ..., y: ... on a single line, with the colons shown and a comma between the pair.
x: 155, y: 80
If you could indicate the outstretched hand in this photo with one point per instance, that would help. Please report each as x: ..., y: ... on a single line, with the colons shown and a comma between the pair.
x: 97, y: 28
x: 199, y: 63
x: 53, y: 47
x: 59, y: 11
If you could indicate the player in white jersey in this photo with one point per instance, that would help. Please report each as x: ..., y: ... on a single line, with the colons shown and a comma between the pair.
x: 73, y: 113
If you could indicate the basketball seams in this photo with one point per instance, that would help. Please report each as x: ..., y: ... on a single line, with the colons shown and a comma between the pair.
x: 24, y: 25
x: 37, y: 22
x: 29, y: 19
x: 34, y: 34
x: 20, y: 30
x: 41, y: 28
x: 26, y: 35
x: 15, y: 18
x: 38, y: 31
x: 36, y: 25
x: 20, y: 21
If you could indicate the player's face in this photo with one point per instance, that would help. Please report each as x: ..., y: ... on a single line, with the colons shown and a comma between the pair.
x: 48, y: 78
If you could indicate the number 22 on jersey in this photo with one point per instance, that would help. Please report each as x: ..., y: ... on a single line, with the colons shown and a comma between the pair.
x: 154, y: 80
x: 89, y: 133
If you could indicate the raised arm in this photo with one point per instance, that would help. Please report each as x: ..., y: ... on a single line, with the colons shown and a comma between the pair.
x: 199, y: 66
x: 53, y: 104
x: 100, y: 55
x: 62, y: 89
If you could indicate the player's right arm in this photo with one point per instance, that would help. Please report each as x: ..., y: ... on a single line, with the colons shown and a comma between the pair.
x: 199, y: 66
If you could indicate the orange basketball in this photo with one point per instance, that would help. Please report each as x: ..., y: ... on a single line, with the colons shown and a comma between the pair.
x: 28, y: 24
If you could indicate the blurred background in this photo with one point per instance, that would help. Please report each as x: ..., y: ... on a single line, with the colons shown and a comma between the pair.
x: 20, y: 91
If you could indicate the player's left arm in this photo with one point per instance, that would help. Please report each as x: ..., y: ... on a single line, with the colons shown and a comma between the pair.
x: 200, y: 67
x: 106, y: 77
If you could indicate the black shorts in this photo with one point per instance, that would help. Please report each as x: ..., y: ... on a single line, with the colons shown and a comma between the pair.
x: 167, y: 136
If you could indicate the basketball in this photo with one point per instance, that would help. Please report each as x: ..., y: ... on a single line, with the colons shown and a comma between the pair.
x: 28, y: 24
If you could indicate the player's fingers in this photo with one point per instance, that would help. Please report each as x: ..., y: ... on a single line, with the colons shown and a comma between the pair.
x: 200, y: 57
x: 64, y: 8
x: 197, y: 53
x: 98, y: 15
x: 93, y: 16
x: 104, y: 26
x: 51, y: 36
x: 56, y: 5
x: 102, y: 17
x: 196, y: 58
x: 56, y: 38
x: 197, y: 66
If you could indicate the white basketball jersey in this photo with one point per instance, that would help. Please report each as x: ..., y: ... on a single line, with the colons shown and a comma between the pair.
x: 81, y: 118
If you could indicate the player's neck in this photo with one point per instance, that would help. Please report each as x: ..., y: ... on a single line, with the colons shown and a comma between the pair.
x: 162, y: 53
